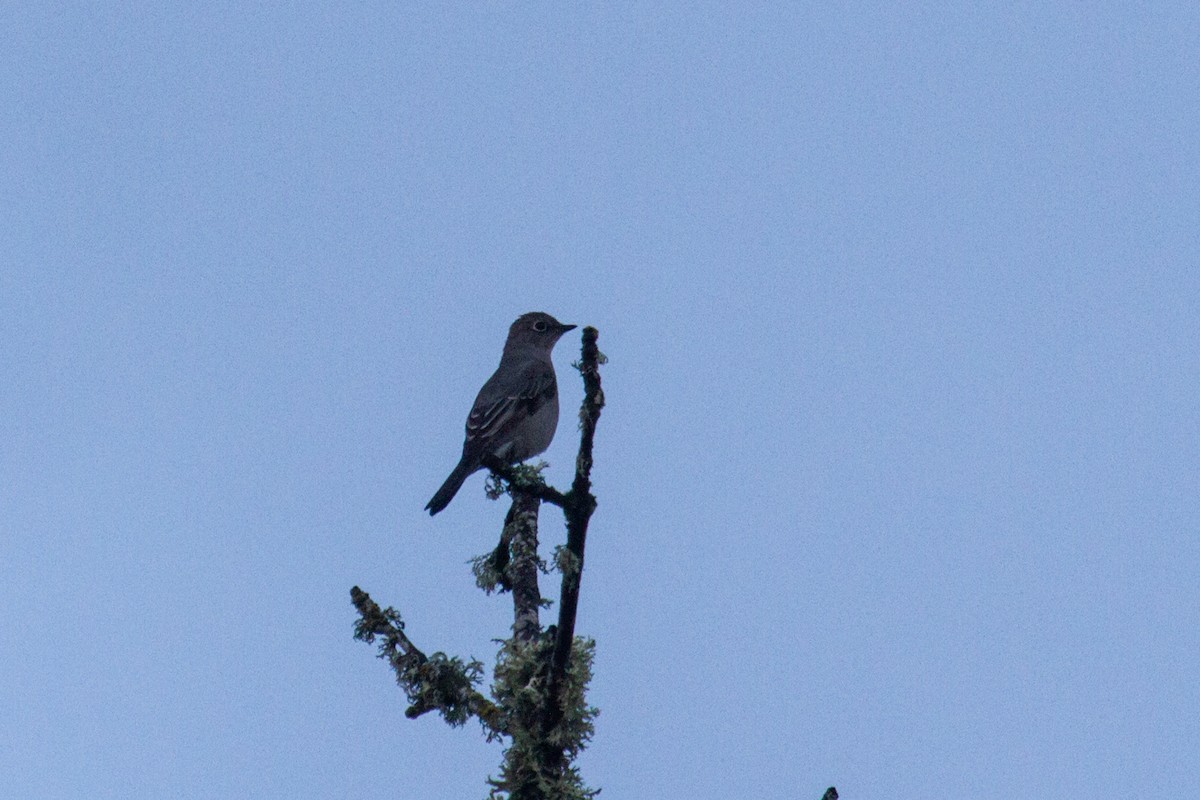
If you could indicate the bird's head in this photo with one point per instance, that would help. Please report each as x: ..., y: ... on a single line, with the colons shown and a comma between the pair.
x: 537, y: 329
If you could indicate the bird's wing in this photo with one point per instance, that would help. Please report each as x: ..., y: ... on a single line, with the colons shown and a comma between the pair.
x: 505, y: 402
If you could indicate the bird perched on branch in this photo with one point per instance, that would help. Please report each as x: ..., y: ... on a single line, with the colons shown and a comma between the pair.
x: 516, y: 412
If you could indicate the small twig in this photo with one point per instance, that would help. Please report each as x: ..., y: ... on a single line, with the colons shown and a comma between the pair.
x: 520, y: 483
x: 830, y: 794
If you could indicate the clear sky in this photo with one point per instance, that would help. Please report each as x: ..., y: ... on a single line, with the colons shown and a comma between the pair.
x: 900, y: 470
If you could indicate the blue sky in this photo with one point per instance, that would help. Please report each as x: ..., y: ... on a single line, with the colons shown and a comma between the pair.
x: 898, y: 477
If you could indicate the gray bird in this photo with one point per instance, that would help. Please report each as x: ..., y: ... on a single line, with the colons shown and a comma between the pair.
x: 516, y: 411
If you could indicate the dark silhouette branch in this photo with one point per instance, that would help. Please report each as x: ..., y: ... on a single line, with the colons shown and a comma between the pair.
x: 578, y: 512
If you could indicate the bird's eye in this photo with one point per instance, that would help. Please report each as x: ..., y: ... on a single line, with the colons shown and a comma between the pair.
x: 539, y: 326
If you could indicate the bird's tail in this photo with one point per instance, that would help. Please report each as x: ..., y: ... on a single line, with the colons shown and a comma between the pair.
x: 444, y: 495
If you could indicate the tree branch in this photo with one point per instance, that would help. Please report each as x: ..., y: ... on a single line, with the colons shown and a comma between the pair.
x: 521, y: 531
x: 578, y: 511
x: 432, y: 683
x: 524, y: 480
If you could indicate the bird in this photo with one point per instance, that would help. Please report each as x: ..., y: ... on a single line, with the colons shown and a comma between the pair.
x: 516, y: 412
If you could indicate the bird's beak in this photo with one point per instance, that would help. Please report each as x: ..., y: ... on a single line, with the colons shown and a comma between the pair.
x: 564, y: 328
